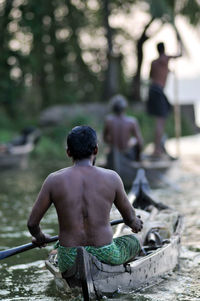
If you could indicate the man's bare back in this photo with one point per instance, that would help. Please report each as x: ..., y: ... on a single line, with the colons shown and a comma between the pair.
x: 159, y: 67
x: 159, y: 70
x: 83, y: 196
x: 119, y: 129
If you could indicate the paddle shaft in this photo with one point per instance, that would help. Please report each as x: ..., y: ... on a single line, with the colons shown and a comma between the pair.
x: 29, y: 246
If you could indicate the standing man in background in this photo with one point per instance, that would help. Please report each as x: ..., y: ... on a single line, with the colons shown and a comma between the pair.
x: 157, y: 104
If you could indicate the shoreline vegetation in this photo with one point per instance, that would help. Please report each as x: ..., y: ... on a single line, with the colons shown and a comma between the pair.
x: 53, y: 134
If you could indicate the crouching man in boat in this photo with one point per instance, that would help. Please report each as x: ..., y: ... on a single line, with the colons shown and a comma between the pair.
x: 122, y: 132
x: 83, y: 196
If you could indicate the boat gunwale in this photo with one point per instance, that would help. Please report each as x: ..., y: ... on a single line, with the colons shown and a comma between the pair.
x: 175, y: 238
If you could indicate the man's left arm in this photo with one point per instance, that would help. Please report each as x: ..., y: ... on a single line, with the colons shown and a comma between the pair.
x: 125, y: 208
x: 137, y: 133
x: 42, y: 203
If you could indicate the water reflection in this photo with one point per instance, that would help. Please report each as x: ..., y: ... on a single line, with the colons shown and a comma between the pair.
x: 24, y: 277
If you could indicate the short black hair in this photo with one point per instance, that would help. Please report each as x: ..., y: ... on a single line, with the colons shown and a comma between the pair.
x: 81, y: 142
x: 161, y: 47
x: 118, y: 103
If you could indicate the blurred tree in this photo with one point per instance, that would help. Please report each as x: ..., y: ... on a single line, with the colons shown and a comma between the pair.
x: 43, y: 60
x: 61, y: 51
x: 165, y: 11
x: 10, y: 72
x: 58, y: 70
x: 113, y: 72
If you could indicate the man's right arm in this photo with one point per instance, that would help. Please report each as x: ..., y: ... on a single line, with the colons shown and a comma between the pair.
x: 180, y: 51
x: 125, y: 208
x: 41, y: 205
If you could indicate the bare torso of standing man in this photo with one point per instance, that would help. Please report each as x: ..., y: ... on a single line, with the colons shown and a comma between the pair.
x: 160, y: 70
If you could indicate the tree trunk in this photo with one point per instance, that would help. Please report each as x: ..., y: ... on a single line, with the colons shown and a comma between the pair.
x: 136, y: 93
x: 112, y: 72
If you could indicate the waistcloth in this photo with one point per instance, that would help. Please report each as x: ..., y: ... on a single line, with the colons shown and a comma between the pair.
x: 121, y: 250
x: 157, y: 103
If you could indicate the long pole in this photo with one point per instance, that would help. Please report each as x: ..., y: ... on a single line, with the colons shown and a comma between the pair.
x: 177, y: 116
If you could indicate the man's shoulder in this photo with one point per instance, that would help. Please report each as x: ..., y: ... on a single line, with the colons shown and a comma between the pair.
x: 131, y: 120
x: 107, y: 172
x: 154, y: 62
x: 58, y: 173
x: 164, y: 59
x: 109, y: 117
x: 109, y: 175
x: 160, y: 59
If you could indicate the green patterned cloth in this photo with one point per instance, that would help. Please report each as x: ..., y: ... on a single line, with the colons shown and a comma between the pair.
x: 121, y: 250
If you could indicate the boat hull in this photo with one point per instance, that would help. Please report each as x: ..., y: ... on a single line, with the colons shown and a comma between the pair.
x: 141, y: 272
x: 128, y: 169
x: 102, y: 279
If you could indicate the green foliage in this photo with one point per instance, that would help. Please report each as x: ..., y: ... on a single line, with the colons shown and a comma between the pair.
x: 146, y: 123
x: 158, y: 9
x: 56, y: 52
x: 168, y: 9
x: 47, y: 148
x: 51, y: 147
x: 5, y: 136
x: 53, y: 141
x: 191, y: 10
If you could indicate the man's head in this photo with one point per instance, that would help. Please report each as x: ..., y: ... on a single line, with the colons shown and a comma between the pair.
x: 161, y: 48
x: 118, y: 104
x: 82, y: 142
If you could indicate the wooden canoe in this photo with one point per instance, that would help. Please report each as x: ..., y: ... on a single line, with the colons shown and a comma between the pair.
x: 127, y: 169
x: 96, y: 279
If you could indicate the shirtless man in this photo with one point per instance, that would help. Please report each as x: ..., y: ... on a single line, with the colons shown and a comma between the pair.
x: 83, y: 196
x: 120, y: 131
x: 157, y: 104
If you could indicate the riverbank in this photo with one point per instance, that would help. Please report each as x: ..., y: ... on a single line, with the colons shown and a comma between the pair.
x: 55, y: 122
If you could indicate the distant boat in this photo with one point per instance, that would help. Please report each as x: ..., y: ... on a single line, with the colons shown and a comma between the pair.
x: 127, y: 169
x: 15, y: 154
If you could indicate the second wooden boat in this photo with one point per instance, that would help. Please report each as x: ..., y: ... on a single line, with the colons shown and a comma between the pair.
x: 16, y: 153
x: 127, y: 169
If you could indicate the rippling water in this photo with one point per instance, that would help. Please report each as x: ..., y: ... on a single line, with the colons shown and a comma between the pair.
x: 24, y: 277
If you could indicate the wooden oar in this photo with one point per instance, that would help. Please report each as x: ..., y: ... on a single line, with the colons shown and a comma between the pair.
x: 29, y: 246
x: 23, y: 248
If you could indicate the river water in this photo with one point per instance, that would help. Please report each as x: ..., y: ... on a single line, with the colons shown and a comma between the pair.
x: 24, y: 277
